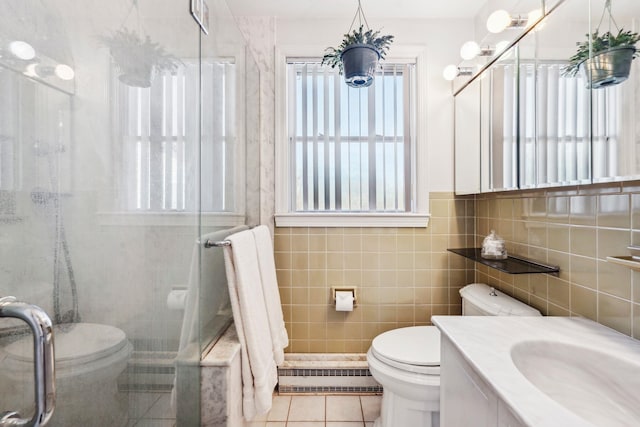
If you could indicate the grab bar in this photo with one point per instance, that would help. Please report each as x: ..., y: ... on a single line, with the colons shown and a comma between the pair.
x: 43, y: 359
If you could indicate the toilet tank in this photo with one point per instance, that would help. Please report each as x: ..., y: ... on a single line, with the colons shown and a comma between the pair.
x: 479, y: 299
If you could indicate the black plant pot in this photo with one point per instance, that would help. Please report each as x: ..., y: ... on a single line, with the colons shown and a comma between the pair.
x: 359, y: 62
x: 608, y: 68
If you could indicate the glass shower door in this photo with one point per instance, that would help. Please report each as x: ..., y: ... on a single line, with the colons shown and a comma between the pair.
x: 99, y: 200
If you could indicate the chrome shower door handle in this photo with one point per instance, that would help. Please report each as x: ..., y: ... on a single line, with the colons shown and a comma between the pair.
x: 43, y: 359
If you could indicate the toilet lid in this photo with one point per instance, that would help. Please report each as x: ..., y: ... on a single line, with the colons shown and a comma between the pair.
x: 80, y: 342
x: 418, y: 346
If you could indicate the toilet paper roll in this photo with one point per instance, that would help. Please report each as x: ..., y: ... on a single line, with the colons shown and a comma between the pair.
x: 176, y: 299
x: 344, y: 301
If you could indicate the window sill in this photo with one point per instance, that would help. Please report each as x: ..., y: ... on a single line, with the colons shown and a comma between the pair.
x: 400, y: 220
x: 184, y: 219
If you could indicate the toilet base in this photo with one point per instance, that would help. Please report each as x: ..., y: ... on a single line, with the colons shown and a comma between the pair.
x: 397, y: 411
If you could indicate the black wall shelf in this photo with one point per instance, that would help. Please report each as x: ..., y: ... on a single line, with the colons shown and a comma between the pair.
x: 511, y: 265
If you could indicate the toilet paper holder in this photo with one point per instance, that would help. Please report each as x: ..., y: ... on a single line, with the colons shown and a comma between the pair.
x: 351, y: 289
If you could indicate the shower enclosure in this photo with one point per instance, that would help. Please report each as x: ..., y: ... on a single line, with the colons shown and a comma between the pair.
x: 125, y: 131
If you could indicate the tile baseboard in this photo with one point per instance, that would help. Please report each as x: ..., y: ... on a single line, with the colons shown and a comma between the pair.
x: 326, y: 374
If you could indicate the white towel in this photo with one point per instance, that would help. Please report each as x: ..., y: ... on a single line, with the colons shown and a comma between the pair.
x: 271, y: 292
x: 259, y: 371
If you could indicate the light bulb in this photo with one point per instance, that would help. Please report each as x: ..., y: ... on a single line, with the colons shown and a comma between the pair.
x: 450, y: 72
x: 31, y: 71
x: 469, y: 50
x: 22, y: 50
x: 533, y: 16
x: 64, y: 72
x: 501, y: 46
x: 498, y: 21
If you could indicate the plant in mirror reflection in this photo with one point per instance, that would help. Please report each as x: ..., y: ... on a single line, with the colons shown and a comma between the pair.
x: 136, y: 57
x: 597, y: 43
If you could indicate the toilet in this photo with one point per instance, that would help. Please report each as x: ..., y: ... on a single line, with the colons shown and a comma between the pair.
x: 406, y: 361
x: 89, y: 357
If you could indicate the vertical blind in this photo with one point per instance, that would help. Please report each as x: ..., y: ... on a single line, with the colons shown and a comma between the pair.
x: 161, y: 152
x: 554, y: 126
x: 558, y: 143
x: 504, y: 126
x: 350, y: 149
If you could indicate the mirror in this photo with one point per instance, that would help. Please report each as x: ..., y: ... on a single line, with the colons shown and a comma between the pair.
x: 615, y: 108
x: 541, y: 126
x: 503, y: 136
x: 35, y: 146
x: 467, y: 140
x: 555, y: 111
x: 37, y: 48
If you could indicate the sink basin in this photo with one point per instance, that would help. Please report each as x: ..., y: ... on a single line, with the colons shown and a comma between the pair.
x: 602, y: 389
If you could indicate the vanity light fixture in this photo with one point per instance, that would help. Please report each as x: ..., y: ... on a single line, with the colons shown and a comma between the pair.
x: 452, y: 71
x: 37, y: 70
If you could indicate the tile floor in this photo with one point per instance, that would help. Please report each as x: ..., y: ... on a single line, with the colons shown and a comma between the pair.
x: 150, y: 410
x: 320, y: 411
x: 154, y: 410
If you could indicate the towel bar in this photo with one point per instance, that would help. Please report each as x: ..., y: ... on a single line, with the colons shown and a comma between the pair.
x: 221, y: 243
x: 218, y: 244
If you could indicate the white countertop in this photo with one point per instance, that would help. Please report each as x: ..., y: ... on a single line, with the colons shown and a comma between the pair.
x: 486, y: 342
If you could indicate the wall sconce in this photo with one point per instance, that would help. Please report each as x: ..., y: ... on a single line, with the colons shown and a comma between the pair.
x: 452, y: 71
x: 500, y: 20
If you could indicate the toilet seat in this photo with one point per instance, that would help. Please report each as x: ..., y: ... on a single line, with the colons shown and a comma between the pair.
x: 76, y: 345
x: 414, y: 349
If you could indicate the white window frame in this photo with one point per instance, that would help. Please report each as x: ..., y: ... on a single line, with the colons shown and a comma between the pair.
x: 123, y: 217
x: 284, y: 217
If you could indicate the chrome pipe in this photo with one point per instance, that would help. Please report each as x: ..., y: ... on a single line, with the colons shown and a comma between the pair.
x: 43, y: 360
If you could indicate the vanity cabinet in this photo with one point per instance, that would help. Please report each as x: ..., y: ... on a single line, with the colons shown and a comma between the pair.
x: 540, y: 127
x: 465, y: 398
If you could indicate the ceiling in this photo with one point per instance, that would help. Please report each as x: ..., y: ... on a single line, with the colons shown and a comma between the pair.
x: 339, y: 9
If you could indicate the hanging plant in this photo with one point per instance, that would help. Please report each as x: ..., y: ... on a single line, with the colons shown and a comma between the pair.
x: 358, y: 55
x: 137, y: 58
x: 604, y: 59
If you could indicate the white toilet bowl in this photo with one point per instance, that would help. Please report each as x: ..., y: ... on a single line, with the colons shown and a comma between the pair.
x: 406, y: 361
x: 89, y: 357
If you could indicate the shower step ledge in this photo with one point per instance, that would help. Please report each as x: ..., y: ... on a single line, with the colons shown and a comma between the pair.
x: 324, y: 360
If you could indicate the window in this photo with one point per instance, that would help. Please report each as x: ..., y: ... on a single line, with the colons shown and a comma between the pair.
x: 351, y: 150
x: 163, y: 164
